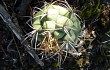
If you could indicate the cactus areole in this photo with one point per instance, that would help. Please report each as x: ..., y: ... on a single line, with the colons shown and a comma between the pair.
x: 59, y: 21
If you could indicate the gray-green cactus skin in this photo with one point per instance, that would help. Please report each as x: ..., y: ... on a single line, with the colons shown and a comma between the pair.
x: 59, y: 21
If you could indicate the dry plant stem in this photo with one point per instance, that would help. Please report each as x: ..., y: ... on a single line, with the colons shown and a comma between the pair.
x: 3, y: 50
x: 49, y: 44
x: 7, y: 21
x: 9, y: 45
x: 18, y: 51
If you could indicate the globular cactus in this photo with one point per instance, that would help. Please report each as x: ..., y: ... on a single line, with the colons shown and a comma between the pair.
x: 60, y: 21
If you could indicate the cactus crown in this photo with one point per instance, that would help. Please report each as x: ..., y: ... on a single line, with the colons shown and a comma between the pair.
x: 57, y: 28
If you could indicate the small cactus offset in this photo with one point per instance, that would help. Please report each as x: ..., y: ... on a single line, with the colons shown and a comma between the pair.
x: 57, y: 28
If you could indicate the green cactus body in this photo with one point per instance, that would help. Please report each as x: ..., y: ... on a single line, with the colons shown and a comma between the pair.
x: 62, y: 24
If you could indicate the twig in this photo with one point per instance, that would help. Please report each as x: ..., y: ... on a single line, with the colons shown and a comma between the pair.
x: 18, y: 51
x: 3, y: 50
x: 6, y: 18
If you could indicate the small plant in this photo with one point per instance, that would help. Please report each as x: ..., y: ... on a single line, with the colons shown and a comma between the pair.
x: 57, y: 28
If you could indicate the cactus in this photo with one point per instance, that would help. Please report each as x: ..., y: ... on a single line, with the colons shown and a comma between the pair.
x: 57, y: 26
